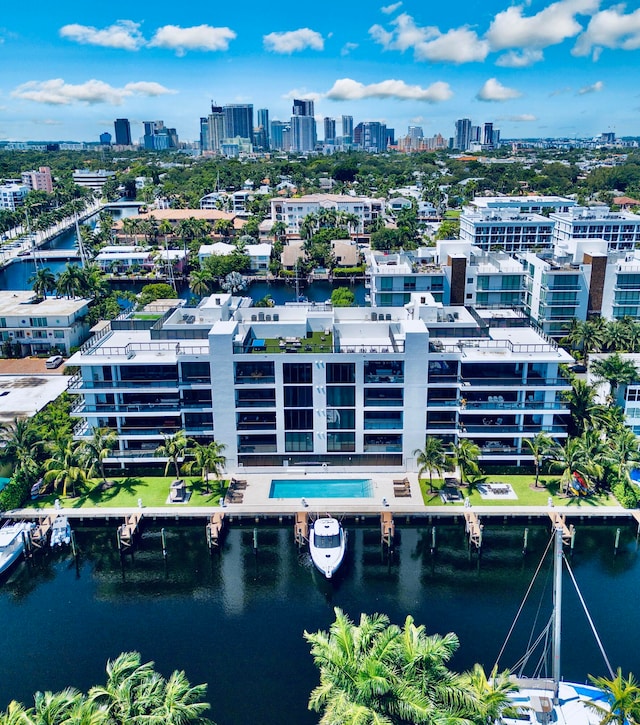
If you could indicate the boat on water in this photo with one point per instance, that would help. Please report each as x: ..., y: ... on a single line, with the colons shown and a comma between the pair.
x: 327, y: 545
x: 543, y: 700
x: 60, y: 532
x: 12, y: 538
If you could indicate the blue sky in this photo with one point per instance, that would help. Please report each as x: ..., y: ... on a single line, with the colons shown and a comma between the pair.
x: 565, y: 68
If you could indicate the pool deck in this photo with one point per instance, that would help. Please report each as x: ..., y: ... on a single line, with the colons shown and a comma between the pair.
x: 256, y: 504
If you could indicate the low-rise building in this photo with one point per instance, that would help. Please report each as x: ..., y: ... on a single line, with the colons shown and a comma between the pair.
x: 619, y: 229
x: 39, y: 180
x: 494, y: 230
x: 40, y: 325
x: 94, y: 180
x: 293, y: 211
x: 12, y: 195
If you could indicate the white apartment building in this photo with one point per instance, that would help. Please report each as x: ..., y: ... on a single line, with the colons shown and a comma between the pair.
x: 12, y: 195
x: 40, y: 325
x: 94, y: 180
x: 293, y: 211
x: 507, y: 231
x: 530, y: 204
x: 619, y: 229
x: 306, y: 384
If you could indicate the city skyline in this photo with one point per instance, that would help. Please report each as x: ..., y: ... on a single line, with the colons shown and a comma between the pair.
x: 537, y: 69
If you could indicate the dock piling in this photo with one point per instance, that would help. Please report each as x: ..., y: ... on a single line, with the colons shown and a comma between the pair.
x: 617, y: 541
x: 526, y: 541
x: 433, y: 540
x: 164, y: 542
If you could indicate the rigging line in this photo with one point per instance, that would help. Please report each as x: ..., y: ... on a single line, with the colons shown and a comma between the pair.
x: 591, y: 624
x: 535, y: 621
x: 522, y: 662
x: 519, y: 612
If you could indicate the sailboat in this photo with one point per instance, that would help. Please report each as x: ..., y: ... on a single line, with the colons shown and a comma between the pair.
x: 541, y: 700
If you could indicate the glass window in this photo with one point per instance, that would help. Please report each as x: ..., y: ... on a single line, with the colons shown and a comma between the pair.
x: 255, y: 398
x: 298, y: 397
x: 341, y: 442
x: 341, y: 418
x: 383, y: 396
x: 341, y: 373
x: 199, y: 371
x: 298, y: 419
x: 380, y: 419
x: 297, y: 372
x: 298, y: 442
x: 255, y: 372
x: 341, y: 395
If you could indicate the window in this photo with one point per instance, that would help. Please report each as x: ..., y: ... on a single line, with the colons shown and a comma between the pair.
x: 341, y: 418
x: 256, y: 398
x: 38, y: 321
x: 298, y: 442
x: 297, y: 372
x: 298, y: 419
x: 341, y: 395
x: 341, y: 442
x: 298, y: 397
x: 381, y: 419
x: 341, y: 373
x: 196, y: 371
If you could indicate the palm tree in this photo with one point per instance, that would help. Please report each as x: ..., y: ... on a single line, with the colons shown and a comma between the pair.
x: 431, y: 458
x: 279, y: 231
x: 56, y: 708
x: 570, y: 458
x: 540, y: 446
x: 19, y: 442
x: 615, y: 370
x: 376, y: 672
x: 207, y: 459
x: 174, y: 447
x: 586, y: 336
x: 43, y: 281
x: 493, y: 693
x: 97, y: 448
x: 135, y: 693
x: 617, y: 336
x: 466, y: 454
x: 621, y: 450
x: 582, y: 403
x: 66, y: 470
x: 622, y: 699
x: 200, y: 282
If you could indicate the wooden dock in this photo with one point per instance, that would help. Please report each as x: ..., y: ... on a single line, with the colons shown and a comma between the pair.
x: 214, y: 530
x: 473, y: 527
x: 127, y: 531
x: 301, y: 528
x: 560, y: 520
x: 387, y: 528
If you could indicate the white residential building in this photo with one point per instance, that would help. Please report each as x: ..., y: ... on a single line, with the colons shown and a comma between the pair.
x: 355, y: 388
x: 293, y: 211
x: 620, y: 229
x: 506, y: 231
x: 94, y: 180
x: 38, y: 326
x: 12, y: 195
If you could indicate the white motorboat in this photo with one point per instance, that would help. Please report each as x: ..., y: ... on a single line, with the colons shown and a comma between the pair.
x: 540, y: 700
x: 12, y: 543
x: 60, y: 532
x: 327, y: 545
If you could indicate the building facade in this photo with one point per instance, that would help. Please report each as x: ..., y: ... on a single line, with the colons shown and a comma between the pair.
x: 39, y: 180
x: 293, y: 211
x: 12, y: 195
x: 122, y: 129
x: 312, y: 385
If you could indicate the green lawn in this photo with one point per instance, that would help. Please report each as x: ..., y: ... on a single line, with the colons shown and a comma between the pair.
x: 153, y: 490
x: 527, y: 496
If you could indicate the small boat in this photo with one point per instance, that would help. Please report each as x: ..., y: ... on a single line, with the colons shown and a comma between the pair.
x: 60, y: 532
x: 12, y: 543
x: 327, y: 545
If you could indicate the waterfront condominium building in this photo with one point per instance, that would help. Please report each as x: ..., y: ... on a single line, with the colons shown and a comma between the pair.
x: 293, y: 211
x: 532, y: 204
x: 620, y: 229
x: 506, y: 231
x: 37, y: 326
x: 309, y: 384
x: 12, y: 195
x: 122, y: 128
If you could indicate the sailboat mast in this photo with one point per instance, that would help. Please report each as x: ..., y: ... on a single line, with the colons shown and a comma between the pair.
x: 557, y: 610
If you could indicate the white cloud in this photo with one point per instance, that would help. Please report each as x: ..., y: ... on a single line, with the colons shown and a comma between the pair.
x: 557, y: 22
x: 348, y: 89
x: 56, y: 92
x: 593, y: 88
x: 520, y: 59
x: 459, y: 45
x: 560, y: 91
x: 293, y: 40
x: 493, y: 90
x: 520, y: 118
x: 46, y: 122
x: 303, y: 95
x: 610, y: 28
x: 388, y: 9
x: 125, y: 34
x: 347, y: 48
x: 198, y: 37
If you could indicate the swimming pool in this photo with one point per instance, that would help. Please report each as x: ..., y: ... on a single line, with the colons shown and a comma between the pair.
x: 321, y: 488
x: 3, y: 482
x: 635, y: 474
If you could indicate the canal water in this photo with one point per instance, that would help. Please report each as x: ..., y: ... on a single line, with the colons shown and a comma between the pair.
x: 236, y: 620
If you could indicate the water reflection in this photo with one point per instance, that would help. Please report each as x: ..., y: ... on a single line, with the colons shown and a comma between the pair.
x: 235, y: 618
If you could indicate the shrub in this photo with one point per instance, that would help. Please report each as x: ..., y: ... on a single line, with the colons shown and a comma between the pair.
x: 16, y: 492
x: 626, y: 494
